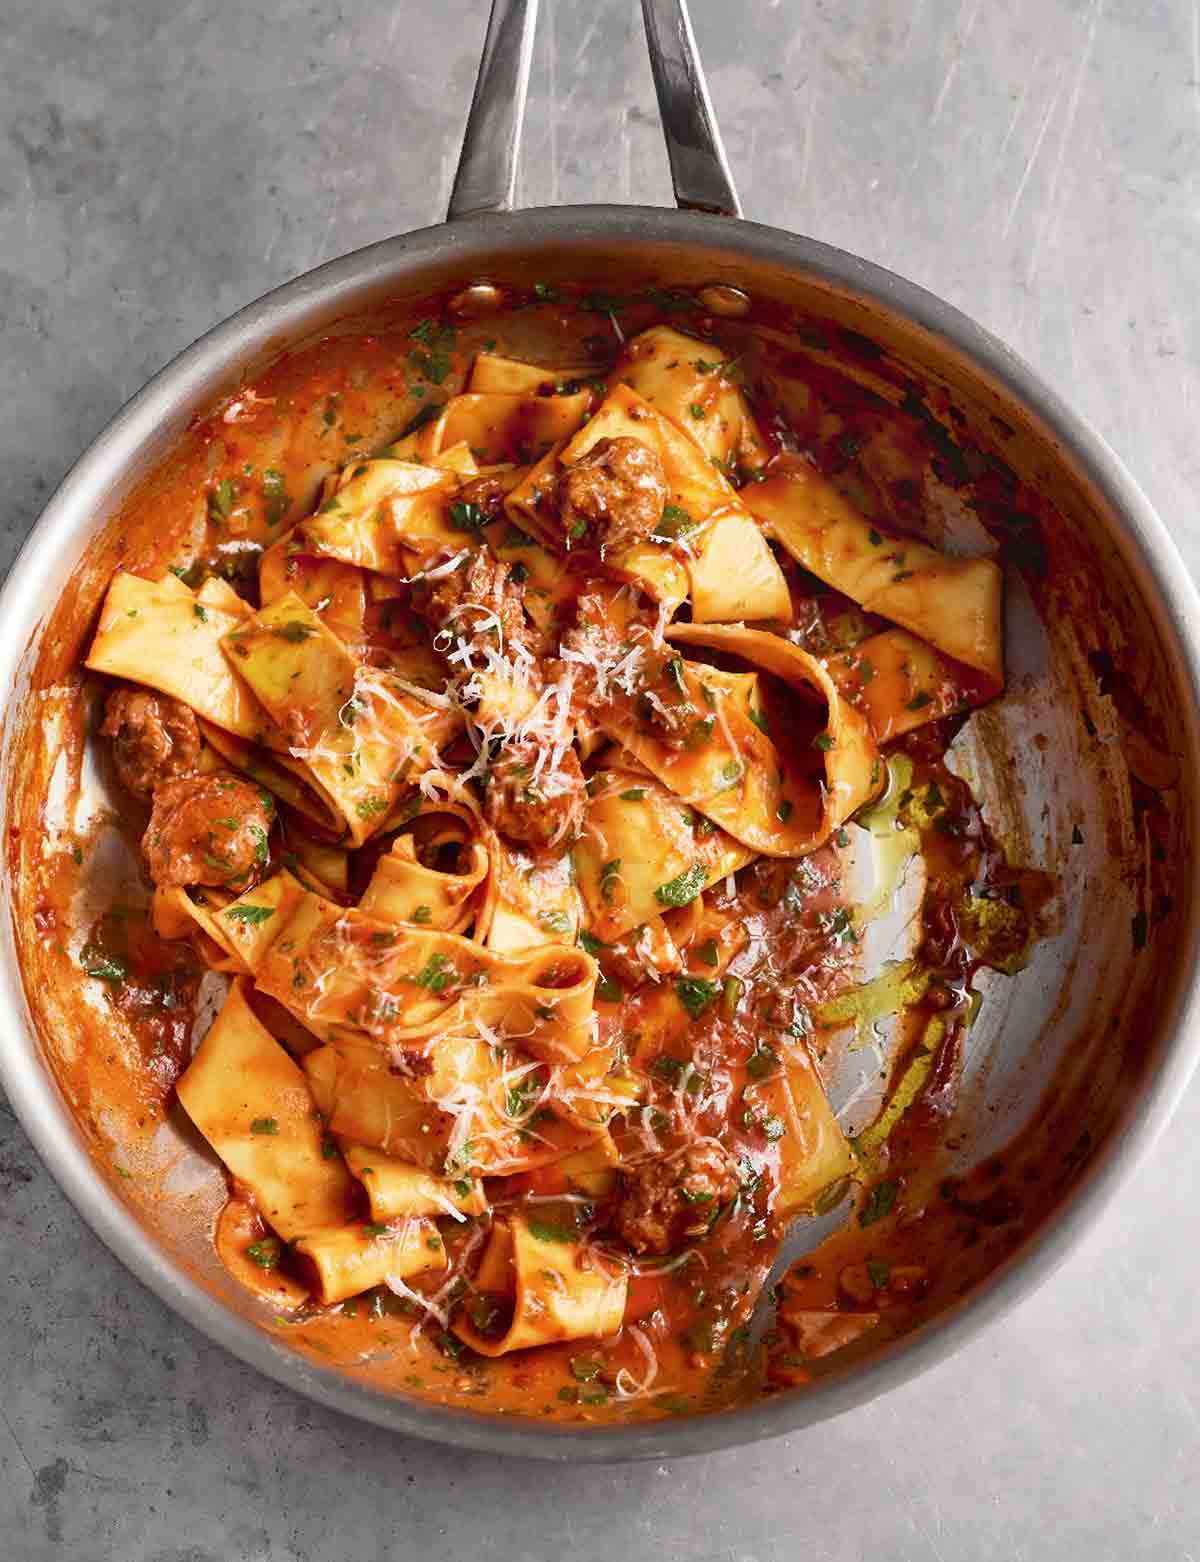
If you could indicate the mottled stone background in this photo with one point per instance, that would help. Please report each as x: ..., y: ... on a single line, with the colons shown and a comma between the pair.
x: 1037, y: 162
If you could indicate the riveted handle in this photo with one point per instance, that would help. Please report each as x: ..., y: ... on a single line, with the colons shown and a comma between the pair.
x: 486, y: 180
x: 487, y: 166
x: 699, y: 170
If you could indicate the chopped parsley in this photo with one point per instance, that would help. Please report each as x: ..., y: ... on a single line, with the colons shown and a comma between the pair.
x: 879, y: 1202
x: 266, y: 1254
x: 252, y: 916
x: 265, y: 1125
x: 293, y: 631
x: 101, y: 966
x: 431, y: 357
x: 683, y: 889
x: 762, y: 1061
x: 466, y: 517
x: 610, y: 873
x: 437, y: 973
x: 556, y: 921
x: 545, y: 1231
x: 422, y: 915
x: 221, y: 501
x: 275, y: 496
x: 695, y: 993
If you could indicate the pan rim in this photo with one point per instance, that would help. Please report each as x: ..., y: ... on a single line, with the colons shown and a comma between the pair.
x: 1145, y: 543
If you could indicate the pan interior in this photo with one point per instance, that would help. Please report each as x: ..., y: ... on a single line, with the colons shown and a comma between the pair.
x: 1080, y: 767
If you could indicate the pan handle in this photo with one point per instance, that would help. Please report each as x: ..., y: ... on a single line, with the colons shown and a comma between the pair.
x: 487, y: 167
x: 699, y: 170
x: 486, y: 180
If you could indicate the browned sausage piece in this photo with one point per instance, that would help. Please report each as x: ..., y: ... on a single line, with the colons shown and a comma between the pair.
x: 614, y: 496
x: 671, y: 1200
x: 155, y: 738
x: 208, y: 830
x: 461, y: 601
x: 542, y: 812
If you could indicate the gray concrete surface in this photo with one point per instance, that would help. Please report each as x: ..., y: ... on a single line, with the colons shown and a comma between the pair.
x: 1038, y: 162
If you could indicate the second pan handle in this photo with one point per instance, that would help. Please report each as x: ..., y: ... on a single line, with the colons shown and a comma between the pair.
x: 699, y: 170
x: 487, y: 165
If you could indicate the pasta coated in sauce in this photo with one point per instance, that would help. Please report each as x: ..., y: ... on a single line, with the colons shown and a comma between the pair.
x: 522, y: 797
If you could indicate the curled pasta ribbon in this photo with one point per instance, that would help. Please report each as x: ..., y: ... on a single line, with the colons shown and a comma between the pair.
x: 953, y: 603
x: 641, y: 854
x: 359, y: 732
x: 378, y: 513
x: 346, y: 1260
x: 537, y: 1289
x: 161, y: 634
x: 532, y: 902
x: 403, y: 889
x: 342, y: 973
x: 497, y: 426
x: 688, y: 381
x: 900, y: 683
x: 396, y: 1188
x: 449, y: 1114
x: 495, y: 373
x: 242, y: 929
x: 781, y: 799
x: 732, y: 572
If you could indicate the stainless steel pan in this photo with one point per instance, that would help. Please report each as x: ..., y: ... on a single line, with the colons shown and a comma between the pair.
x: 1092, y: 1044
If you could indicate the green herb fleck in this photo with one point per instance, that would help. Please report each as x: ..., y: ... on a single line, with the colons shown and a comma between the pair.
x: 252, y: 916
x: 293, y: 631
x: 879, y: 1202
x: 683, y: 889
x: 610, y: 873
x: 695, y: 993
x: 101, y: 966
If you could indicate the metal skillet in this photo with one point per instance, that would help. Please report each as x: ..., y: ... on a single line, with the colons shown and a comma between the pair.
x: 1089, y: 1048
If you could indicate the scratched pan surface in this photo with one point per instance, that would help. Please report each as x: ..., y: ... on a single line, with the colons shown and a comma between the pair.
x: 1074, y: 1064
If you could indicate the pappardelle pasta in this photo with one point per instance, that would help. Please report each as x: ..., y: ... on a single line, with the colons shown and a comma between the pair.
x: 535, y: 802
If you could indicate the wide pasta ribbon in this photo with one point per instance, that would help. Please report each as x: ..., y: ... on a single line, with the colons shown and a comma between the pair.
x: 345, y: 974
x: 691, y: 381
x: 900, y: 683
x: 161, y: 634
x: 496, y: 428
x: 953, y: 603
x: 732, y: 572
x: 640, y: 854
x: 782, y: 798
x: 535, y: 1286
x: 253, y: 1105
x: 359, y: 731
